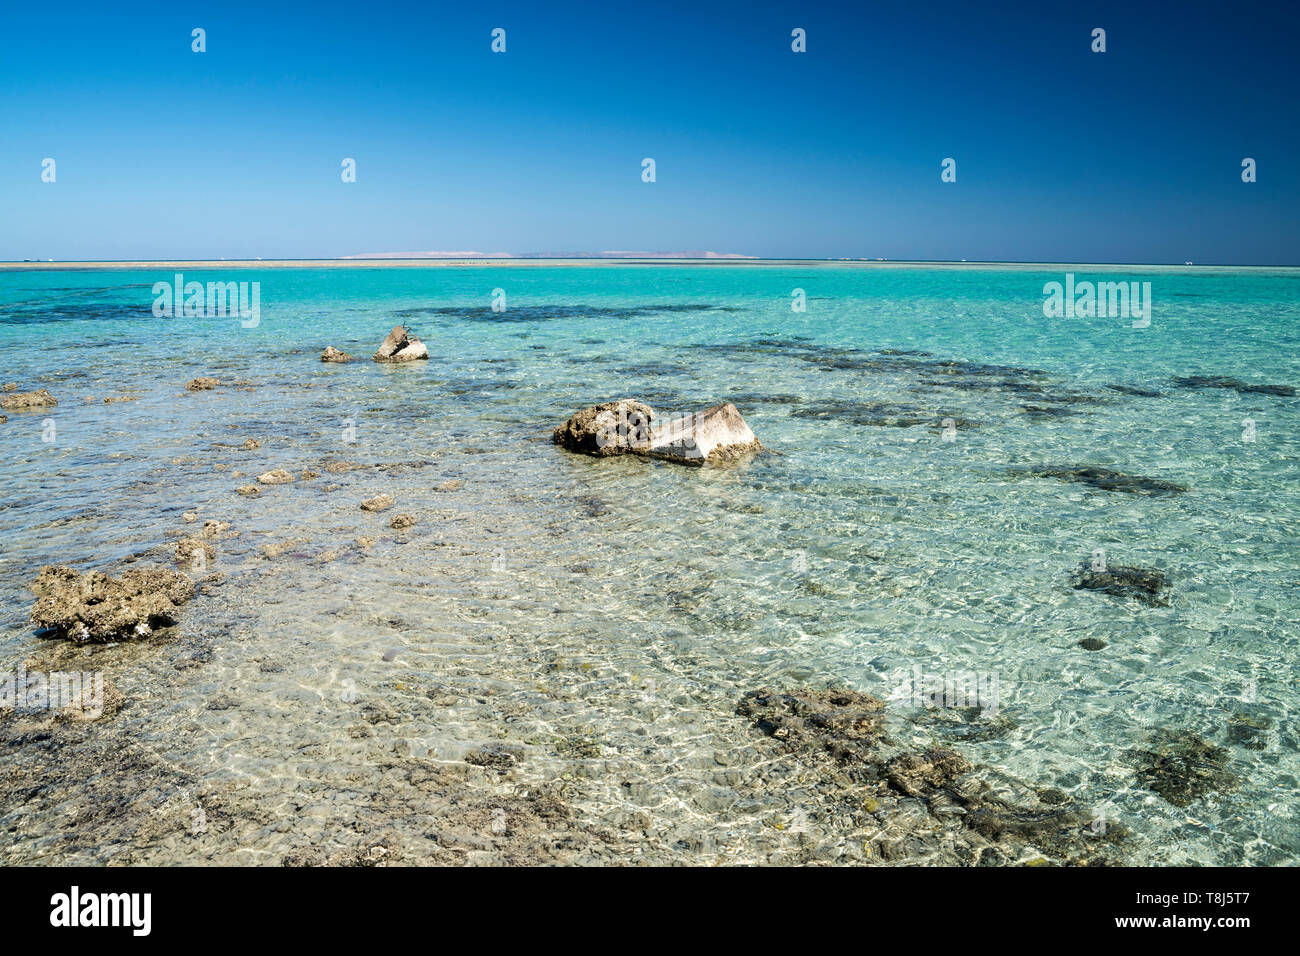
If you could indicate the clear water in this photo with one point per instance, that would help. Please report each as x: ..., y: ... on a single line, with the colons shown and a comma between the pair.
x: 629, y: 604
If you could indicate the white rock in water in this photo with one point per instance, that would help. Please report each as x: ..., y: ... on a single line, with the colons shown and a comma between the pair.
x: 401, y: 346
x: 415, y: 349
x: 715, y: 434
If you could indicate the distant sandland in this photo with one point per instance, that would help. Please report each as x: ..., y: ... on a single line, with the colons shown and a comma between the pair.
x: 608, y: 260
x: 553, y: 255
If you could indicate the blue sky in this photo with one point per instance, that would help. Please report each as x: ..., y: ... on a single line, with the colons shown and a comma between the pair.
x: 1133, y: 155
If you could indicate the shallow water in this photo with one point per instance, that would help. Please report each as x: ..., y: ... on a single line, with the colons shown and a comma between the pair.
x: 606, y: 616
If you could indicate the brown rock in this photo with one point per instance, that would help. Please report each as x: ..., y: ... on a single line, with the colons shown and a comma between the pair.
x: 277, y: 476
x: 96, y: 607
x: 611, y: 428
x: 37, y: 399
x: 202, y: 384
x: 918, y: 774
x: 847, y: 724
x: 331, y: 354
x: 401, y: 522
x: 195, y: 552
x: 378, y: 503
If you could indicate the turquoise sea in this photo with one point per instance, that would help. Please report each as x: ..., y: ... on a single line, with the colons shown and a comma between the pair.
x: 605, y: 616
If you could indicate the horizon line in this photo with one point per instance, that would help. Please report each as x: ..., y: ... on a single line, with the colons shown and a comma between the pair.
x: 647, y: 259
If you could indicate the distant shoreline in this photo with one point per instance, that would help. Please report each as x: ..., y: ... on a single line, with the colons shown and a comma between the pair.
x: 525, y: 263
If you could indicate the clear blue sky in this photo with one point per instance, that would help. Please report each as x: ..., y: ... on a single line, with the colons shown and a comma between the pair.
x: 1133, y: 155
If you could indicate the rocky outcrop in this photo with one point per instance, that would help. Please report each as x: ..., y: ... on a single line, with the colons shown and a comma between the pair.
x: 717, y: 434
x: 94, y: 607
x: 401, y: 346
x: 378, y: 503
x: 276, y: 476
x: 331, y: 354
x: 202, y: 384
x: 20, y: 400
x: 611, y: 428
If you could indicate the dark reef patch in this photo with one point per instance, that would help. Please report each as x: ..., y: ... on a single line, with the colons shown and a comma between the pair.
x: 879, y: 415
x: 1236, y: 384
x: 547, y: 313
x: 752, y: 398
x: 844, y: 723
x: 959, y: 812
x: 1047, y: 412
x: 1142, y: 584
x: 1182, y: 767
x: 920, y: 774
x: 1134, y: 390
x: 1104, y: 479
x: 967, y: 724
x: 1249, y: 730
x: 986, y: 385
x: 951, y: 367
x: 80, y: 305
